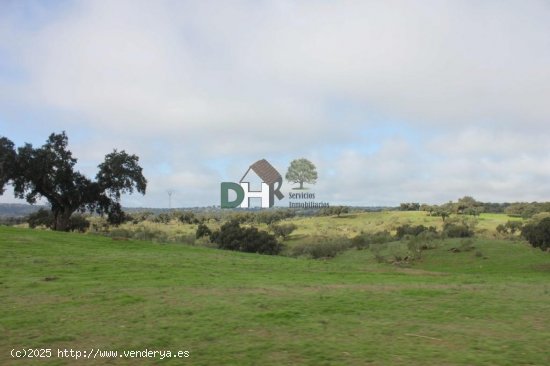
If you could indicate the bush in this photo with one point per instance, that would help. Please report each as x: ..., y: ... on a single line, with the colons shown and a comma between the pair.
x: 78, y: 223
x: 138, y: 217
x: 466, y: 245
x: 45, y: 218
x: 405, y: 230
x: 203, y: 231
x: 186, y: 217
x: 414, y: 245
x: 41, y: 217
x: 162, y: 218
x: 232, y: 236
x: 457, y: 230
x: 331, y: 211
x: 272, y: 216
x: 282, y: 230
x: 511, y: 227
x: 321, y: 247
x: 538, y: 234
x: 365, y: 240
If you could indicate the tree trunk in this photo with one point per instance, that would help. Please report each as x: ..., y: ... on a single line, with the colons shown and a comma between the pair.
x: 301, y: 184
x: 62, y: 220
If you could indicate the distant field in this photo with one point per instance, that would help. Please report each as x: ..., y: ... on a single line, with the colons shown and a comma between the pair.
x: 348, y: 225
x: 62, y: 290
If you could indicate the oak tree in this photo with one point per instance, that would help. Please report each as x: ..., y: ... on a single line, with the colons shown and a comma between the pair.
x: 49, y: 172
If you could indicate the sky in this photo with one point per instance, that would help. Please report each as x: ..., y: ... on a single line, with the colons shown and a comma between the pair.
x: 393, y: 101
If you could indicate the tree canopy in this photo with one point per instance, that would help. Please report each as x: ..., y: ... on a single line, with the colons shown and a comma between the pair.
x: 301, y: 171
x: 48, y: 172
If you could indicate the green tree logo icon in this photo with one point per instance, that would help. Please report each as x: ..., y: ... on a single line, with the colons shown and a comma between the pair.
x: 301, y: 171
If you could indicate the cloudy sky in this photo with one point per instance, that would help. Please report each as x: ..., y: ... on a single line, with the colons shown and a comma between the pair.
x: 393, y: 101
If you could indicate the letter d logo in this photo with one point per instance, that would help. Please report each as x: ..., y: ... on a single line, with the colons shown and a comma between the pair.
x: 225, y: 187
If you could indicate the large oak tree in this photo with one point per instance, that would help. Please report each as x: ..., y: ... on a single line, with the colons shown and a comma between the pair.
x: 48, y: 172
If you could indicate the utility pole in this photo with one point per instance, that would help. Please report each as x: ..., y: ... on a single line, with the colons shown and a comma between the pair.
x: 170, y: 193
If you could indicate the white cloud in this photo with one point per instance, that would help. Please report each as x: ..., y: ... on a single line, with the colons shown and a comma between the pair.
x: 207, y: 87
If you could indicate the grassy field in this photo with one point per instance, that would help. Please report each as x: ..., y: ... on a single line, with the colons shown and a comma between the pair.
x: 348, y: 225
x: 74, y: 291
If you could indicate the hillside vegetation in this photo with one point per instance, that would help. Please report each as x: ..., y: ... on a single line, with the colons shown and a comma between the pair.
x: 65, y: 290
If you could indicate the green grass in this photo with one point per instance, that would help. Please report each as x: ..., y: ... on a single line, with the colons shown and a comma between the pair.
x: 231, y: 308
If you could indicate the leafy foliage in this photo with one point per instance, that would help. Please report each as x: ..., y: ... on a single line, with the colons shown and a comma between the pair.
x: 7, y: 161
x: 333, y: 210
x: 187, y: 217
x: 282, y: 230
x: 203, y: 231
x: 48, y: 172
x: 408, y: 230
x: 409, y: 206
x: 46, y: 218
x: 301, y: 171
x: 365, y: 240
x: 40, y: 218
x: 538, y: 234
x: 232, y: 236
x: 457, y: 230
x: 511, y: 227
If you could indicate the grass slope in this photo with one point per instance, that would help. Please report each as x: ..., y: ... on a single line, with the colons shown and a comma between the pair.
x: 231, y: 308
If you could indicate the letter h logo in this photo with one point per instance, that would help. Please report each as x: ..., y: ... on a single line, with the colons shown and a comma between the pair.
x: 271, y: 185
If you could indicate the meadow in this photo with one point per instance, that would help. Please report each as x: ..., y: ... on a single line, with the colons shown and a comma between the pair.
x: 485, y: 306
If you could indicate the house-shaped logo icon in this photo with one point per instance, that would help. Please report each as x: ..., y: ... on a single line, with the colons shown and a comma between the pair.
x: 270, y: 187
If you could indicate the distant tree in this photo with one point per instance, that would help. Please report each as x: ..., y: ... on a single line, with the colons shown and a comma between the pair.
x: 338, y: 210
x: 48, y: 172
x: 409, y: 206
x: 442, y: 213
x: 301, y: 171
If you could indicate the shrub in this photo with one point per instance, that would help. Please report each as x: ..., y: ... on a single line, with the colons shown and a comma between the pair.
x: 405, y: 230
x: 41, y: 217
x: 457, y: 230
x: 78, y: 223
x: 513, y: 226
x: 186, y: 217
x: 414, y: 245
x: 138, y: 217
x: 365, y: 240
x: 538, y: 234
x: 272, y: 216
x: 466, y: 245
x: 162, y: 218
x: 501, y: 229
x: 282, y: 230
x: 321, y: 247
x: 45, y: 218
x: 377, y: 252
x: 202, y: 231
x: 232, y: 236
